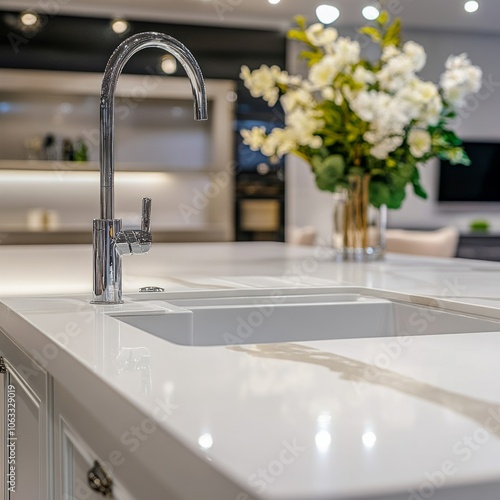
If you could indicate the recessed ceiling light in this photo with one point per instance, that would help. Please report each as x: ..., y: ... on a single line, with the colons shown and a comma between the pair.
x: 177, y: 111
x: 370, y: 12
x: 323, y: 440
x: 29, y: 18
x: 206, y: 441
x: 327, y: 14
x: 471, y: 6
x: 274, y: 2
x: 119, y: 26
x: 231, y: 96
x: 369, y: 439
x: 168, y: 64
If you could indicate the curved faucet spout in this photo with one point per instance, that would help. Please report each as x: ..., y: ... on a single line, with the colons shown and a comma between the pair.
x: 110, y: 242
x: 112, y: 72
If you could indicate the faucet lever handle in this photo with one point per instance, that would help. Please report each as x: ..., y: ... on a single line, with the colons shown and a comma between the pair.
x: 146, y: 215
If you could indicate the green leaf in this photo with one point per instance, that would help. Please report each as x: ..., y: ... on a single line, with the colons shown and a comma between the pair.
x: 357, y: 171
x: 382, y: 193
x: 328, y: 172
x: 393, y: 34
x: 372, y: 32
x: 379, y: 193
x: 417, y: 187
x: 383, y: 18
x: 312, y: 57
x: 300, y: 21
x: 420, y: 191
x: 298, y: 35
x: 316, y: 162
x: 465, y: 160
x: 396, y: 198
x: 456, y: 156
x: 451, y: 138
x: 399, y: 177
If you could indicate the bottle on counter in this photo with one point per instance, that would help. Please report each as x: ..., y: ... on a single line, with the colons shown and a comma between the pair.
x: 49, y: 147
x: 34, y: 148
x: 81, y: 150
x: 67, y: 150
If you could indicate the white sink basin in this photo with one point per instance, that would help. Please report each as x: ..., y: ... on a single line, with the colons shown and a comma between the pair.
x: 295, y: 318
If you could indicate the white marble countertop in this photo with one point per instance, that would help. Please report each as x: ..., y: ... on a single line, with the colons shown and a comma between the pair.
x: 287, y: 421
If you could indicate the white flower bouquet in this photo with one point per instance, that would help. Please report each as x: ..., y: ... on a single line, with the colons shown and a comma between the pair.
x: 358, y: 116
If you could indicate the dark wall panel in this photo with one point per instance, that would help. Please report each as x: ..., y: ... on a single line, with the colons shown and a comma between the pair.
x: 73, y: 43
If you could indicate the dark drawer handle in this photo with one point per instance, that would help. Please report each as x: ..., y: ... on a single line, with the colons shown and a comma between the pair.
x: 100, y: 481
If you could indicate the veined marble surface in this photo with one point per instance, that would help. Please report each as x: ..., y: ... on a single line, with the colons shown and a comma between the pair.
x: 375, y: 418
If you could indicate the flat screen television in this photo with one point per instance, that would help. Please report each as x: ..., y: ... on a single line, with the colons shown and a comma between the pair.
x: 479, y: 182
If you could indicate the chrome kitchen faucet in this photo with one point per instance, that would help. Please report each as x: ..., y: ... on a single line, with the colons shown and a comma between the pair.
x: 110, y: 242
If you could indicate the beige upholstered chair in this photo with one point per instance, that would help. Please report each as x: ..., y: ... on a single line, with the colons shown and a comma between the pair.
x: 440, y: 243
x: 302, y: 235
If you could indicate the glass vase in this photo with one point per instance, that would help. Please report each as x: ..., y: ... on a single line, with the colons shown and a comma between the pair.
x: 358, y: 227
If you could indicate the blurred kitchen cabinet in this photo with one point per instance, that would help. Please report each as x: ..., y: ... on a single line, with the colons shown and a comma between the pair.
x: 260, y: 207
x: 41, y: 112
x: 26, y: 426
x: 77, y: 465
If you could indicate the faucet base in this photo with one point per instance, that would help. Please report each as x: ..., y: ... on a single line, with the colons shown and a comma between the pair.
x: 107, y: 262
x: 102, y: 303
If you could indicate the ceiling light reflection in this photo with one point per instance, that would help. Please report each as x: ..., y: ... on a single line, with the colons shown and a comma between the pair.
x: 29, y: 18
x: 369, y: 439
x: 231, y: 96
x: 471, y: 6
x: 323, y: 440
x: 324, y: 419
x: 168, y: 64
x: 370, y: 12
x: 177, y: 111
x: 206, y: 441
x: 327, y: 14
x: 66, y: 108
x: 119, y: 26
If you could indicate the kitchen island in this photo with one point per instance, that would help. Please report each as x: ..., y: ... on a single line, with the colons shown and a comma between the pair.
x: 412, y: 416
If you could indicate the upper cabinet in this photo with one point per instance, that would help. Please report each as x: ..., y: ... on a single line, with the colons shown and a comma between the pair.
x: 54, y: 116
x: 50, y: 124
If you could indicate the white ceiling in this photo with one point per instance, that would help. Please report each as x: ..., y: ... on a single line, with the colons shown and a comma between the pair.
x: 427, y: 14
